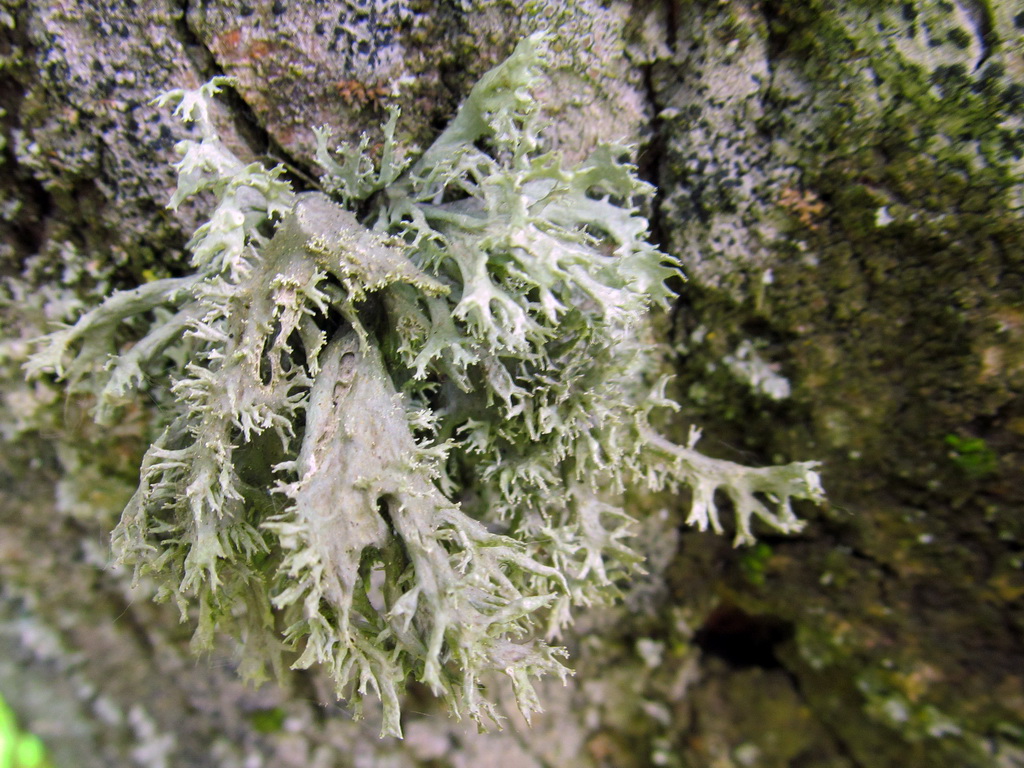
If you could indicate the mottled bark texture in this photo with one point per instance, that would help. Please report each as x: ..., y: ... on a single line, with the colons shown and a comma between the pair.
x: 844, y: 183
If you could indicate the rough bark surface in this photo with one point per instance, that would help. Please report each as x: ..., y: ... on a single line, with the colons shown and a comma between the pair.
x: 845, y: 185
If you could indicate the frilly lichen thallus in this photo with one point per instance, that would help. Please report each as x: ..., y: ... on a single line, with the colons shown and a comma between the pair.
x: 402, y: 436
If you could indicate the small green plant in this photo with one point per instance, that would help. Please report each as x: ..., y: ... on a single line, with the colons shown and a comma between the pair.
x: 268, y: 720
x: 973, y: 456
x: 754, y: 562
x: 17, y: 748
x: 395, y: 443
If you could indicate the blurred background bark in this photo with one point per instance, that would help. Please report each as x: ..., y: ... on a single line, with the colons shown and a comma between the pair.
x: 844, y: 184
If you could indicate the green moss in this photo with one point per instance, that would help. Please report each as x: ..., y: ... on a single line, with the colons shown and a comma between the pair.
x: 754, y: 562
x: 972, y: 455
x: 926, y: 180
x: 268, y: 720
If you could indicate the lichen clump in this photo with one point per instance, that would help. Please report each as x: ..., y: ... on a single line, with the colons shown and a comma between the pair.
x: 393, y: 442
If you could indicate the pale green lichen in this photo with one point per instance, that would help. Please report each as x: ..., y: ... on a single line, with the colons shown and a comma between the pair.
x: 404, y: 436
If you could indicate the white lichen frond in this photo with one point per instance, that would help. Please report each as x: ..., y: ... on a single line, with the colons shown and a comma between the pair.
x: 402, y: 438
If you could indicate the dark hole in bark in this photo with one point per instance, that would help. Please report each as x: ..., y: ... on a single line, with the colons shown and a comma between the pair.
x: 742, y: 639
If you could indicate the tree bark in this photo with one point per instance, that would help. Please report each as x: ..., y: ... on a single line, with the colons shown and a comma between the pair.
x: 844, y: 185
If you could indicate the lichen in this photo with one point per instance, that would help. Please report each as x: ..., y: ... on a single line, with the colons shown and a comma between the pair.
x: 403, y: 436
